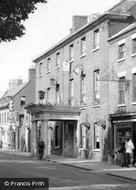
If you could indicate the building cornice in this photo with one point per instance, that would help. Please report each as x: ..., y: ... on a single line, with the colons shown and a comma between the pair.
x: 81, y: 31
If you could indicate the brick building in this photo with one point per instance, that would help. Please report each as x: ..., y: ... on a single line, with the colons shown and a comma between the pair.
x: 73, y: 92
x: 122, y: 53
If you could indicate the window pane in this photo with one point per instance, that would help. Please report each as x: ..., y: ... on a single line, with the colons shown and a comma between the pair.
x: 122, y: 90
x: 57, y: 59
x: 121, y: 51
x: 96, y: 85
x: 96, y: 38
x: 134, y: 45
x: 83, y: 45
x: 71, y: 52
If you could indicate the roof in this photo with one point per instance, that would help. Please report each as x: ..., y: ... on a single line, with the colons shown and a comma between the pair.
x: 125, y: 30
x: 103, y: 16
x: 14, y: 91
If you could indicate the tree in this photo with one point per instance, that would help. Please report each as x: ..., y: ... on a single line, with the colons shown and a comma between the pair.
x: 12, y: 13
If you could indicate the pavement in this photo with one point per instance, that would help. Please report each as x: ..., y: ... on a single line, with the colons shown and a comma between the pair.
x: 92, y: 165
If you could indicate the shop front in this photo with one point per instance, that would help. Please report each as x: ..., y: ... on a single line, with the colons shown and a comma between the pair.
x: 123, y: 125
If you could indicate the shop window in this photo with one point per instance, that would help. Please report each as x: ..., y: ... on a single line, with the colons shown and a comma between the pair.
x: 96, y: 136
x: 23, y: 99
x: 96, y: 86
x: 57, y: 136
x: 83, y: 45
x: 122, y: 90
x: 121, y: 51
x: 96, y: 39
x: 71, y: 52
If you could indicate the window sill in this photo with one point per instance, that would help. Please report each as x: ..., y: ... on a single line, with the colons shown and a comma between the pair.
x: 57, y: 67
x: 133, y: 55
x: 96, y: 49
x: 83, y: 107
x: 133, y: 103
x: 57, y: 147
x: 83, y: 55
x: 71, y: 61
x: 120, y: 60
x: 121, y: 105
x: 96, y: 150
x: 96, y: 104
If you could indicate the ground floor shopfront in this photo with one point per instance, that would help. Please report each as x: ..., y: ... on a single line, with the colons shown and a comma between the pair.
x: 122, y: 125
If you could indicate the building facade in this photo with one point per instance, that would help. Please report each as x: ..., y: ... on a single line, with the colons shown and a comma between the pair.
x: 73, y: 93
x: 15, y: 122
x: 122, y: 111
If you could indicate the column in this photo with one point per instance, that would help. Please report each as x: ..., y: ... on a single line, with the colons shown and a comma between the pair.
x: 44, y: 136
x: 33, y: 139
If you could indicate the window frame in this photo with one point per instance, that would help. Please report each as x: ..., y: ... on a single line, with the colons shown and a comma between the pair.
x: 83, y: 88
x: 48, y: 65
x: 96, y: 41
x: 83, y: 46
x: 40, y: 68
x: 96, y: 86
x: 58, y: 61
x: 71, y: 52
x: 134, y: 87
x: 122, y: 93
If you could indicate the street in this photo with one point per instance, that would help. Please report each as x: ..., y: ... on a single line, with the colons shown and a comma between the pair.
x: 60, y: 176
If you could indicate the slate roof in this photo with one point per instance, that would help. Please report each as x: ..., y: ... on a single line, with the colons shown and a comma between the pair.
x: 14, y: 91
x: 125, y: 30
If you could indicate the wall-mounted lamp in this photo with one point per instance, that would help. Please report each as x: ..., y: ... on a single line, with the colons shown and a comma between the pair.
x: 41, y: 94
x: 52, y: 82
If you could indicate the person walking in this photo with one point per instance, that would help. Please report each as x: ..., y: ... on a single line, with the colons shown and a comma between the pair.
x: 41, y: 147
x: 122, y: 152
x: 129, y: 146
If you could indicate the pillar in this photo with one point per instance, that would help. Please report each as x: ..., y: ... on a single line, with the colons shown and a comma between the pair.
x: 33, y: 139
x: 44, y: 136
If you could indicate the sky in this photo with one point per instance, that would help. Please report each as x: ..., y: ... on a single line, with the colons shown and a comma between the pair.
x: 49, y: 24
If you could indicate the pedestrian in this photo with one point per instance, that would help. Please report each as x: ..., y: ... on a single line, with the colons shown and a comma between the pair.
x: 41, y: 147
x: 129, y: 146
x: 122, y: 152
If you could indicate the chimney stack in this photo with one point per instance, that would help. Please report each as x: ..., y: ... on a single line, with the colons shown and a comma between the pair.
x: 78, y: 21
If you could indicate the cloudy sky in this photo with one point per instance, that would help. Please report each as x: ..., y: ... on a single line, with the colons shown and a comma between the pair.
x: 49, y: 24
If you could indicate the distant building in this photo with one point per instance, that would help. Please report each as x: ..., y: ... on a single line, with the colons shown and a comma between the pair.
x: 15, y: 123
